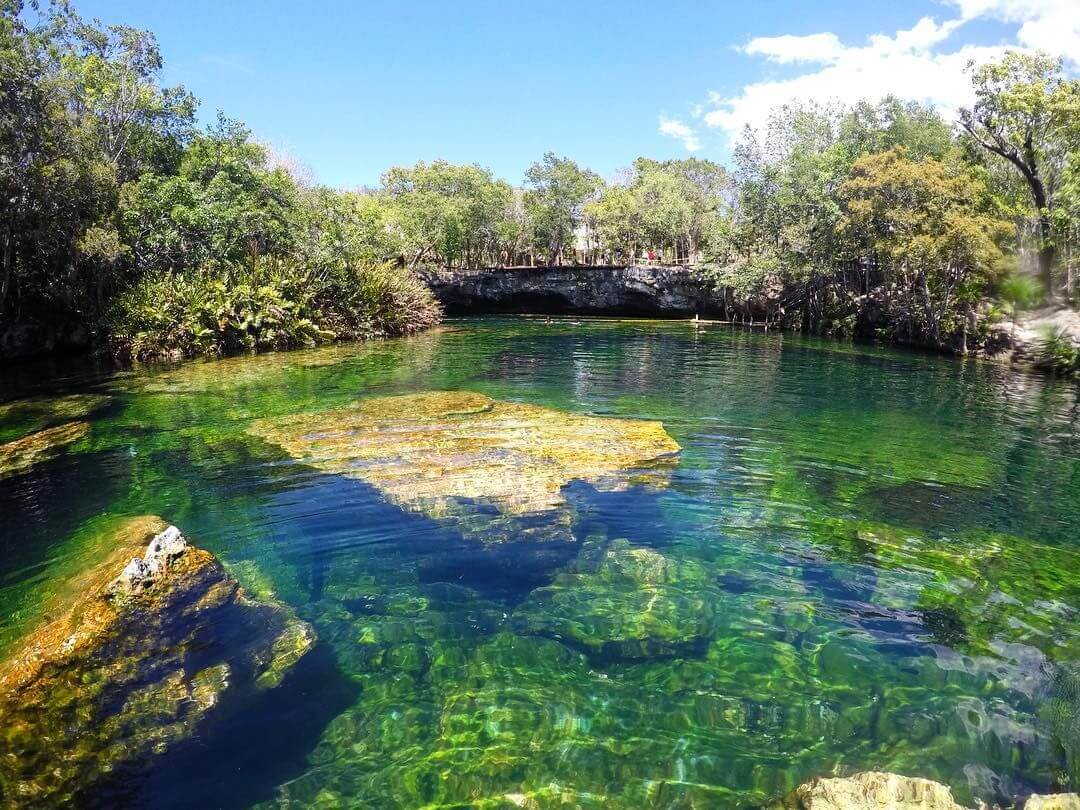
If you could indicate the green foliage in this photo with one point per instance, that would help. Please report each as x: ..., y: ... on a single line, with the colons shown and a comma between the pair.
x: 339, y: 229
x: 558, y: 190
x: 446, y: 212
x: 872, y: 218
x: 279, y: 304
x: 676, y: 206
x: 1025, y: 114
x: 223, y: 204
x: 1058, y: 352
x: 1019, y: 292
x: 926, y: 223
x: 116, y: 214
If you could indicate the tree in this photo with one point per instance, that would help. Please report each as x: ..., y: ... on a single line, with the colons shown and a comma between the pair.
x: 869, y: 128
x: 929, y: 226
x: 673, y: 205
x: 558, y: 190
x: 680, y: 201
x: 224, y: 204
x: 343, y: 228
x: 111, y: 80
x: 615, y: 217
x: 1017, y: 116
x: 53, y: 183
x: 448, y: 212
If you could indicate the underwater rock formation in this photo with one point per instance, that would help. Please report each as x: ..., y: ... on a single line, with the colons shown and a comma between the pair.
x: 1058, y: 801
x: 21, y: 417
x: 22, y: 454
x: 636, y: 605
x: 131, y: 660
x: 438, y: 452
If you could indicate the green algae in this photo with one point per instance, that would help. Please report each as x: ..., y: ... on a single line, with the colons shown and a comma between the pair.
x: 625, y: 609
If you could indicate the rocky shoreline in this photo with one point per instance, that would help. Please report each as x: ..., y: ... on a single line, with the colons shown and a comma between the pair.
x: 678, y: 292
x: 657, y: 292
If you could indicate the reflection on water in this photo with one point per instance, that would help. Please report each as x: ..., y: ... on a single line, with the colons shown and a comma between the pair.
x: 861, y: 559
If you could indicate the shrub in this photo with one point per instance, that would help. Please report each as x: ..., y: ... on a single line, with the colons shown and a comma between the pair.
x: 1057, y: 352
x: 1019, y: 292
x: 279, y: 304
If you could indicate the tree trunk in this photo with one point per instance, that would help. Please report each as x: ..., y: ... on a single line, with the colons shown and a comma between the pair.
x: 1047, y: 250
x: 5, y: 279
x: 1047, y: 253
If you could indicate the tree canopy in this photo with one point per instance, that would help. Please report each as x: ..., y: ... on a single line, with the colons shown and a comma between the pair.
x: 875, y: 217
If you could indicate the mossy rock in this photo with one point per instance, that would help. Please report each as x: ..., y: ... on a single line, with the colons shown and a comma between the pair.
x: 116, y: 673
x: 459, y: 457
x: 21, y: 417
x: 22, y: 454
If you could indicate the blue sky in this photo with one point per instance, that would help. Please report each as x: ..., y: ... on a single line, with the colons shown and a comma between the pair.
x: 352, y: 88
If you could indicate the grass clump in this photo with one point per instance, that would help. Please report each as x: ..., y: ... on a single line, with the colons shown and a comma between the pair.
x: 1058, y: 352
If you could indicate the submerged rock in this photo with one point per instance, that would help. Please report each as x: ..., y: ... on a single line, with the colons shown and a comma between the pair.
x: 126, y: 665
x: 439, y: 452
x: 871, y: 790
x: 636, y: 605
x: 22, y: 454
x: 22, y: 417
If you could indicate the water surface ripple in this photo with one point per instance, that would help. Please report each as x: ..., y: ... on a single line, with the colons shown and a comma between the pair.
x: 862, y: 559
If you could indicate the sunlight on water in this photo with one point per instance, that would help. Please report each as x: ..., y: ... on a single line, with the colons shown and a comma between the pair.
x: 861, y: 559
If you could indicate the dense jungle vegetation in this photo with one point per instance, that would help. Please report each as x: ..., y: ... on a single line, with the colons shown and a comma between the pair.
x: 125, y: 226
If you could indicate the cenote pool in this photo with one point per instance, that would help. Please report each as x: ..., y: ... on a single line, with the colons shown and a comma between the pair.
x: 860, y: 559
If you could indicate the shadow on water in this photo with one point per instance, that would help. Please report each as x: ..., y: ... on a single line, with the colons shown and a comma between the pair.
x: 240, y: 757
x: 931, y: 506
x: 505, y: 559
x: 355, y: 526
x: 633, y: 513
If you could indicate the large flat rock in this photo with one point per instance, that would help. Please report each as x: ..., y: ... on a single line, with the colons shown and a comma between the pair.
x: 443, y: 453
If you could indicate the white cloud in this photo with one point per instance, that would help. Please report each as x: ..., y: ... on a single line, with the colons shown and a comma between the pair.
x: 914, y: 63
x: 1045, y: 25
x: 788, y: 48
x: 674, y: 128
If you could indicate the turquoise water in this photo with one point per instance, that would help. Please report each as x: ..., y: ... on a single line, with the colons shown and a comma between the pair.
x: 869, y: 560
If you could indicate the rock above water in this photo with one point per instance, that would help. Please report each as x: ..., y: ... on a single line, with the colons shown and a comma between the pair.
x: 872, y: 790
x: 439, y: 452
x: 1058, y: 801
x: 140, y: 652
x: 876, y: 790
x: 649, y: 291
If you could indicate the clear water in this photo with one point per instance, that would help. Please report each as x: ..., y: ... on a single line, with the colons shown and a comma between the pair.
x: 875, y: 559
